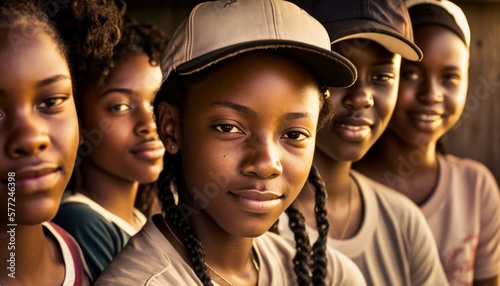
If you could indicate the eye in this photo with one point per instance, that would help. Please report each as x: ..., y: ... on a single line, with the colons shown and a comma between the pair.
x: 296, y: 135
x: 410, y: 75
x: 227, y: 128
x: 119, y: 107
x: 383, y: 78
x: 52, y: 102
x: 452, y: 78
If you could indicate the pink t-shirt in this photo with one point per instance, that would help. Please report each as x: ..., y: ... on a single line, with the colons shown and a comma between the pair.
x: 464, y: 216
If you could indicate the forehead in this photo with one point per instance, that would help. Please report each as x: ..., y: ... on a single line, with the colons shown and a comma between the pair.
x: 135, y: 73
x: 360, y: 50
x: 30, y: 59
x: 441, y: 47
x: 261, y: 80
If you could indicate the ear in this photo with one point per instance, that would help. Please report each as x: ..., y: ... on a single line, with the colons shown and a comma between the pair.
x: 169, y: 127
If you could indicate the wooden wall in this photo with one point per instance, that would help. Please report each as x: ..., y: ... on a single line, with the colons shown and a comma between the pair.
x: 477, y: 135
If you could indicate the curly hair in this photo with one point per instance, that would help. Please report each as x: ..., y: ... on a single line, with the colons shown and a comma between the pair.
x: 307, y: 271
x: 90, y: 30
x: 136, y: 39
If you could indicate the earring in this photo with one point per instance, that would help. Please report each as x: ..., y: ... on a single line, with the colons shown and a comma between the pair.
x: 172, y: 147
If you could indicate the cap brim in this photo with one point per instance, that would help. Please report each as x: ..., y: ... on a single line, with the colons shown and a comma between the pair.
x: 334, y: 69
x: 366, y: 29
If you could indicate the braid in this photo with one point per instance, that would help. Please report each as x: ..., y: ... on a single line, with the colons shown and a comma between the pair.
x: 169, y: 175
x: 302, y: 259
x: 322, y: 226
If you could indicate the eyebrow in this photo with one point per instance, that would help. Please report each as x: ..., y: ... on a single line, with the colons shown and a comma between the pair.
x: 51, y: 80
x: 248, y: 112
x: 45, y: 82
x: 384, y: 62
x: 125, y: 91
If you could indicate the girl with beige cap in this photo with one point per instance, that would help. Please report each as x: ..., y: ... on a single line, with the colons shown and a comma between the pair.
x: 245, y: 87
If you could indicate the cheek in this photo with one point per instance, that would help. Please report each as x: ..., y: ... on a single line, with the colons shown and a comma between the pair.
x: 67, y: 137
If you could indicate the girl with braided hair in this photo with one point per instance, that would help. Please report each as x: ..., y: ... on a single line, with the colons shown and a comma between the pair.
x: 383, y: 232
x: 238, y: 111
x: 120, y: 152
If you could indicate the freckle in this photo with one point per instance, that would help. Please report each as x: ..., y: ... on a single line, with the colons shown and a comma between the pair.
x: 479, y: 43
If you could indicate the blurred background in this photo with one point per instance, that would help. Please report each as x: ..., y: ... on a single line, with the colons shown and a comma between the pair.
x: 477, y: 134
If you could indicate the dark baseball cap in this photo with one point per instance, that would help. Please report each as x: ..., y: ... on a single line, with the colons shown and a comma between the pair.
x: 385, y: 22
x: 442, y: 13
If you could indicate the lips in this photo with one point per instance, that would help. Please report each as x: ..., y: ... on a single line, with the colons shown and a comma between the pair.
x: 32, y: 178
x: 256, y: 201
x: 426, y: 117
x: 426, y: 120
x: 149, y: 150
x: 353, y: 129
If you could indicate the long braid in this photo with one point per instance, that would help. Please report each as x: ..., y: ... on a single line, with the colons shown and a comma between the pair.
x: 322, y: 226
x: 302, y: 259
x: 167, y: 177
x: 173, y: 91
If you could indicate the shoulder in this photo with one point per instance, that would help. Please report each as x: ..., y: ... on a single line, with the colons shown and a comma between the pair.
x: 342, y: 270
x: 275, y: 245
x: 395, y: 210
x: 164, y: 265
x: 76, y: 215
x: 468, y: 170
x: 76, y: 271
x: 387, y: 199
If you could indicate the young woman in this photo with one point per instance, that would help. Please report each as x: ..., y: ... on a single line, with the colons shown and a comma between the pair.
x: 383, y: 232
x: 237, y: 113
x: 459, y: 197
x: 38, y: 143
x: 120, y: 148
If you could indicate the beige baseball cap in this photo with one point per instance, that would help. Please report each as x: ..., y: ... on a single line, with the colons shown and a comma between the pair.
x: 218, y: 30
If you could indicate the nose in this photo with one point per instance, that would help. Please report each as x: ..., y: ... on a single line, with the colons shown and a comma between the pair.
x: 28, y: 137
x: 263, y: 159
x: 145, y: 123
x: 359, y: 96
x: 430, y: 91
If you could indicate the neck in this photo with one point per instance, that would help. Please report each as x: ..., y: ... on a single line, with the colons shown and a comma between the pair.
x: 111, y: 192
x: 343, y: 201
x: 38, y: 259
x: 401, y: 166
x: 335, y: 175
x: 230, y: 259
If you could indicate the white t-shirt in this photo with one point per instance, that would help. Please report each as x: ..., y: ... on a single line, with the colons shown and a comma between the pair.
x: 150, y: 259
x: 394, y: 245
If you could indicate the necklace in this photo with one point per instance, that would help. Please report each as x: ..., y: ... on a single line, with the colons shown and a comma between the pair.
x: 346, y: 226
x: 255, y: 265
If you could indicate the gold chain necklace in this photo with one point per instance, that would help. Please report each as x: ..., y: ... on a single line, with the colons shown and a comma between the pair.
x: 346, y: 226
x: 206, y: 264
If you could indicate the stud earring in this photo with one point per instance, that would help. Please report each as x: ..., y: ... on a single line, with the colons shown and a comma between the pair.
x: 172, y: 147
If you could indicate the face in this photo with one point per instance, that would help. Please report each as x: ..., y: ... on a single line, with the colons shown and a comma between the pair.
x: 118, y: 127
x: 247, y: 140
x: 38, y: 129
x: 363, y: 110
x: 432, y: 92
